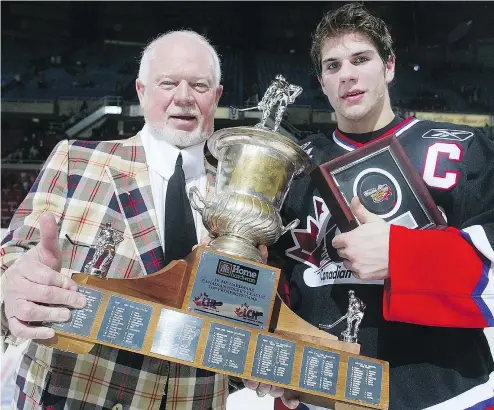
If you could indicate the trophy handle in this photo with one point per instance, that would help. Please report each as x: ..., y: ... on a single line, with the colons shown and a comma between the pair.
x: 194, y: 195
x: 291, y: 225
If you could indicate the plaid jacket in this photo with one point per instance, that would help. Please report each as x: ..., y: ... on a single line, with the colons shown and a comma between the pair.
x: 86, y: 184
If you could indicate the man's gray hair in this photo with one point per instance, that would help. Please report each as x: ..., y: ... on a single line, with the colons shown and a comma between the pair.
x: 146, y: 54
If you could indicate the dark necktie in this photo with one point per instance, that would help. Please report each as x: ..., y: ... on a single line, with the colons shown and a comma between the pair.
x: 180, y: 230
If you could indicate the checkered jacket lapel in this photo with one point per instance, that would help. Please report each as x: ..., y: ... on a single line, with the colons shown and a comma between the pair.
x: 129, y: 207
x: 134, y: 197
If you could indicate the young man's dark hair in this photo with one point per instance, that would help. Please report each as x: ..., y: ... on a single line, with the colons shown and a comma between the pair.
x: 352, y: 17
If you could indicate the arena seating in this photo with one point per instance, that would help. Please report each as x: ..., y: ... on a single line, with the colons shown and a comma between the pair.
x: 89, y: 72
x: 93, y: 71
x: 16, y: 183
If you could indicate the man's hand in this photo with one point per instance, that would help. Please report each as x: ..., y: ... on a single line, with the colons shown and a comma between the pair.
x: 263, y: 250
x: 366, y: 248
x: 35, y: 279
x: 274, y: 391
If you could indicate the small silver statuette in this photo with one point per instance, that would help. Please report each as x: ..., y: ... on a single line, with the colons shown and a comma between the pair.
x: 106, y: 242
x: 279, y: 92
x: 354, y: 316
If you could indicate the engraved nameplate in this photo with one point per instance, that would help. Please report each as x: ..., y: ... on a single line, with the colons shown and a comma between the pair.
x: 319, y: 370
x: 273, y: 359
x: 226, y: 348
x: 82, y: 320
x: 177, y: 335
x: 125, y: 323
x: 364, y: 380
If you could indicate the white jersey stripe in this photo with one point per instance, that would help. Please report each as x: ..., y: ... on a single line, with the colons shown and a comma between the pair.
x: 341, y: 144
x: 479, y: 240
x: 406, y: 127
x: 348, y: 147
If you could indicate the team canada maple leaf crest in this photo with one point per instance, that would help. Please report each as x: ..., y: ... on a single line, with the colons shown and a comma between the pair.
x: 312, y: 247
x: 310, y: 243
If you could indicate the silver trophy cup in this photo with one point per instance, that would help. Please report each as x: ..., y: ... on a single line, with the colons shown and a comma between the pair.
x: 256, y: 167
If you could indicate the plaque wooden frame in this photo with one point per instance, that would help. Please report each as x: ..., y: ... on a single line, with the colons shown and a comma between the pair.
x: 170, y: 289
x: 323, y: 177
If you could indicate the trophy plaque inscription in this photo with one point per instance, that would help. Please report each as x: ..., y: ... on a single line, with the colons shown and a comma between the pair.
x: 218, y: 309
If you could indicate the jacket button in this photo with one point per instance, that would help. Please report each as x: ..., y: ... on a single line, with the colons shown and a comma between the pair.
x: 117, y: 406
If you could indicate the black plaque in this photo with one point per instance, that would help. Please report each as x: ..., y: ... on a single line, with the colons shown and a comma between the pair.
x: 319, y: 370
x: 226, y: 348
x: 177, y: 335
x: 364, y: 381
x: 383, y: 178
x: 273, y: 359
x: 82, y: 320
x: 125, y: 323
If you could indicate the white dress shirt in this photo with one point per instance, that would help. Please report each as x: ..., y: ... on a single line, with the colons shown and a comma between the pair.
x: 161, y: 158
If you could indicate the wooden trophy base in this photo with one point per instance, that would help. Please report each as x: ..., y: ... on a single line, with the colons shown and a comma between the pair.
x: 184, y: 313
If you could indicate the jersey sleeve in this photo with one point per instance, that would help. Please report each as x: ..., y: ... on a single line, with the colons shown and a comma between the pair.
x: 446, y: 277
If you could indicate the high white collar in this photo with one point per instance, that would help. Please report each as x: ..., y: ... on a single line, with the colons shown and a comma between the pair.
x: 161, y: 156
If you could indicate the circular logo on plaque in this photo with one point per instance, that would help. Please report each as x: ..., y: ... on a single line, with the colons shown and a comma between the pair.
x: 378, y: 191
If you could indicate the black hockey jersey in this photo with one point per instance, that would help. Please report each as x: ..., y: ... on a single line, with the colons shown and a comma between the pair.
x: 427, y: 320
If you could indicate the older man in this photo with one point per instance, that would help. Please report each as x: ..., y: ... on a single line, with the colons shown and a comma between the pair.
x: 86, y: 187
